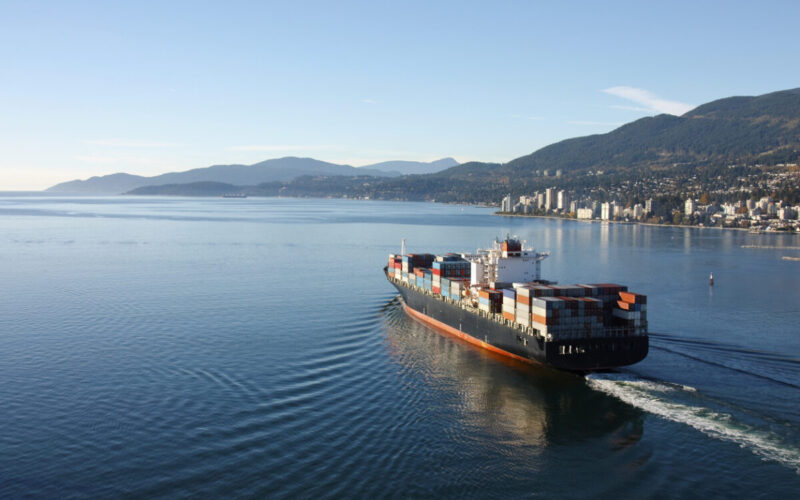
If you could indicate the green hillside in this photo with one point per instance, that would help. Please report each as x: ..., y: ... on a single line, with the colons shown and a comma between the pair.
x: 689, y: 153
x: 735, y: 130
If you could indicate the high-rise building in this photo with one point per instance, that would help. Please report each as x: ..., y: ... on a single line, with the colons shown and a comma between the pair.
x: 540, y: 200
x: 638, y: 211
x: 505, y: 205
x: 573, y: 206
x: 649, y: 206
x: 550, y: 198
x: 563, y: 200
x: 607, y: 210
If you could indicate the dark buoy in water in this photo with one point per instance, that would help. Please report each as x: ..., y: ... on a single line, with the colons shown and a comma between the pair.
x: 711, y: 279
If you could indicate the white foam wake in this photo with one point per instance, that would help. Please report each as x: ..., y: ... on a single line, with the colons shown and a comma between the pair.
x: 653, y: 397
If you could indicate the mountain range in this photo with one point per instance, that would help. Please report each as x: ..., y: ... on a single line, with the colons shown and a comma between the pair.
x: 742, y: 130
x: 275, y: 170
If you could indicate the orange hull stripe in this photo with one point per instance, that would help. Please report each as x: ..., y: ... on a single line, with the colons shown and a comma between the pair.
x: 463, y: 336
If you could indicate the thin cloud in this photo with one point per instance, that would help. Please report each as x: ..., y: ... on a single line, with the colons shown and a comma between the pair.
x: 631, y: 108
x: 124, y: 143
x: 649, y: 101
x: 369, y: 101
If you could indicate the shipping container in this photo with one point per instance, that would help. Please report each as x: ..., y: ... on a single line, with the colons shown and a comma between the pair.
x: 633, y: 298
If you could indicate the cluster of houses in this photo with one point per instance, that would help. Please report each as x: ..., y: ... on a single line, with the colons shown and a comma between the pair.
x: 763, y: 214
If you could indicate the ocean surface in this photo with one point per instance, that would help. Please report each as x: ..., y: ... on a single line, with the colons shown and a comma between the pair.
x: 173, y: 347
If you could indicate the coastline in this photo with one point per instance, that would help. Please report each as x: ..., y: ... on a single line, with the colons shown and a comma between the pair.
x: 595, y: 221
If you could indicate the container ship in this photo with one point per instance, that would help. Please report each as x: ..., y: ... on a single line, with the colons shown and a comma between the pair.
x: 496, y: 299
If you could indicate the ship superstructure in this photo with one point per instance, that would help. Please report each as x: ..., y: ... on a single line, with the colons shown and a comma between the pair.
x: 497, y: 299
x: 507, y: 261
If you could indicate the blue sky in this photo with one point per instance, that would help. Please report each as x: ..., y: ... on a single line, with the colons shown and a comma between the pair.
x: 91, y: 88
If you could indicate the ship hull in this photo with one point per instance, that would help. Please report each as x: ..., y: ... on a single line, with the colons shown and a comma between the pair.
x: 478, y: 328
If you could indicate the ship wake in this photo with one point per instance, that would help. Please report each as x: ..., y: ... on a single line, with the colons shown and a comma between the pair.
x: 683, y: 404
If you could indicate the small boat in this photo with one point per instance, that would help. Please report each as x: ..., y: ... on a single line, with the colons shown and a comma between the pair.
x: 711, y: 279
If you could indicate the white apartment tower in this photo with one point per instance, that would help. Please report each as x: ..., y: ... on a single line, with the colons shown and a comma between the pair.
x: 505, y: 205
x: 689, y: 207
x: 607, y: 211
x: 563, y: 201
x: 550, y: 198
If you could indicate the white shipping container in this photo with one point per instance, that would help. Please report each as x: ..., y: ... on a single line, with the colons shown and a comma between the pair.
x: 525, y: 291
x: 542, y: 312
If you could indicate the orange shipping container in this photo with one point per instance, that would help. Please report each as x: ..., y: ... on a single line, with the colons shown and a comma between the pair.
x: 633, y: 298
x: 625, y: 305
x: 543, y: 320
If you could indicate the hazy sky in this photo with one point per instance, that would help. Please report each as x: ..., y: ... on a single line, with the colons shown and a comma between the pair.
x: 91, y: 88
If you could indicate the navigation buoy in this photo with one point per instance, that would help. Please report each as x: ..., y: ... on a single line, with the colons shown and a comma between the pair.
x: 711, y: 279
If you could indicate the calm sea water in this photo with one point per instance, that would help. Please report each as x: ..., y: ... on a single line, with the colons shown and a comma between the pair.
x: 167, y: 347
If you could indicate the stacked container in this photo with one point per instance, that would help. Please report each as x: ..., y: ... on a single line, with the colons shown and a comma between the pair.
x: 451, y: 266
x: 608, y: 294
x: 445, y: 287
x: 458, y: 288
x: 555, y: 311
x: 631, y: 310
x: 490, y: 301
x: 419, y: 275
x: 395, y: 266
x: 509, y: 304
x: 567, y: 317
x: 522, y: 313
x: 411, y: 262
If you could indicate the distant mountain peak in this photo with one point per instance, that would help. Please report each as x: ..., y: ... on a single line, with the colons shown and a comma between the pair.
x: 402, y: 167
x: 272, y: 170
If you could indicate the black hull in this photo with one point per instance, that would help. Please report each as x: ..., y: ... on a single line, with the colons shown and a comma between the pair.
x: 576, y: 355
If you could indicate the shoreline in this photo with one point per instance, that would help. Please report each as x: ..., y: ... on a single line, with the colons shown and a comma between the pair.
x: 595, y: 221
